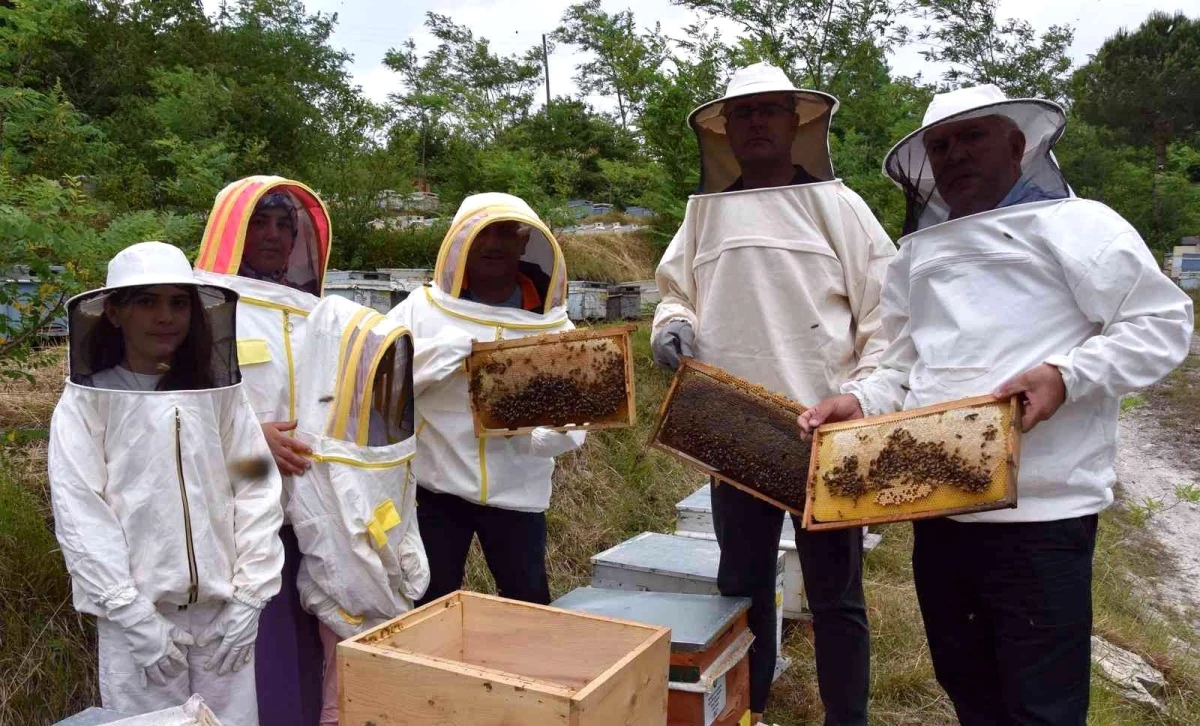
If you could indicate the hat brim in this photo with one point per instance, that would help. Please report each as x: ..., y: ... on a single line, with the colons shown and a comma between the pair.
x: 810, y: 105
x: 91, y: 303
x: 1040, y: 120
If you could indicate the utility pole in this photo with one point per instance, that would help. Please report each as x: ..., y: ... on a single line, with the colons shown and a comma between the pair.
x: 546, y: 64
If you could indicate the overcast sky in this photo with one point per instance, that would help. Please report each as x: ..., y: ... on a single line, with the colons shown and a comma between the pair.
x: 368, y: 28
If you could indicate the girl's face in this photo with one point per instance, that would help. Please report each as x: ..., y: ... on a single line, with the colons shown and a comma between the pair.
x: 154, y: 321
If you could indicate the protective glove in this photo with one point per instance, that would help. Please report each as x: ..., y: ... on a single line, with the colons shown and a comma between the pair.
x: 549, y: 443
x: 674, y: 340
x: 330, y: 615
x: 152, y: 640
x: 237, y: 627
x: 414, y: 563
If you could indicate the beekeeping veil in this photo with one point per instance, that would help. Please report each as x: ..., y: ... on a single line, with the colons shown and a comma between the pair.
x: 95, y: 343
x: 354, y: 511
x: 1042, y: 123
x: 542, y: 259
x: 810, y: 149
x: 223, y: 246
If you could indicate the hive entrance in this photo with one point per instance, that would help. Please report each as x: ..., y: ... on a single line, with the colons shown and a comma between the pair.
x: 737, y: 431
x: 947, y: 459
x: 576, y: 380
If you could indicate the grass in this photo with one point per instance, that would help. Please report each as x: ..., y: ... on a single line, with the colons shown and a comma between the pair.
x: 612, y: 489
x: 607, y: 257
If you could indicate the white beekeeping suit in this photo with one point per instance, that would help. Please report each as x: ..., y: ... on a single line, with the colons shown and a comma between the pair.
x: 508, y: 472
x: 175, y: 555
x: 355, y: 510
x: 1045, y: 277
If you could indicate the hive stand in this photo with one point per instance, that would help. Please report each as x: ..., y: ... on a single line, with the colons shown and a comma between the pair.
x: 657, y: 562
x: 693, y: 518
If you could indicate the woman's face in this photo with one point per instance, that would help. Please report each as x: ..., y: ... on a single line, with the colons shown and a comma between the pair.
x: 153, y: 321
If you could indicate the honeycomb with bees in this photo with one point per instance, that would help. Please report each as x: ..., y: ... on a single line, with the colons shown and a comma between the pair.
x: 952, y: 458
x: 735, y: 431
x: 578, y: 380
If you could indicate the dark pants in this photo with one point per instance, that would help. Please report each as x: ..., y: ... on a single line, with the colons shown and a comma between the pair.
x: 288, y: 655
x: 1008, y: 614
x: 513, y: 543
x: 748, y: 531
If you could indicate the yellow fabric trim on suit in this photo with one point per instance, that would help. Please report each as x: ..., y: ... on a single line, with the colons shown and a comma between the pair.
x: 211, y: 251
x: 335, y: 410
x: 349, y: 374
x: 259, y: 302
x: 490, y: 323
x: 364, y: 408
x: 332, y: 459
x: 384, y: 519
x: 251, y: 351
x: 483, y: 478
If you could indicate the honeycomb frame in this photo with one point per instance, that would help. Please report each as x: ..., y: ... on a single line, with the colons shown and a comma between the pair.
x: 691, y: 367
x: 539, y: 348
x: 998, y: 494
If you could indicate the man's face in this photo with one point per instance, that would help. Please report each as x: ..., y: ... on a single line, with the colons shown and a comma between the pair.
x: 269, y: 240
x: 975, y: 162
x: 496, y: 252
x: 761, y: 128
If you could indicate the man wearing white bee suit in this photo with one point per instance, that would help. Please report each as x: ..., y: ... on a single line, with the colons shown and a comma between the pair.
x: 165, y: 503
x: 1008, y: 284
x: 499, y: 274
x: 774, y: 276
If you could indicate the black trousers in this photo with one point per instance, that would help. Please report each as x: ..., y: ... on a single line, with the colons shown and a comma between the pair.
x: 748, y: 531
x: 513, y: 543
x: 1008, y: 614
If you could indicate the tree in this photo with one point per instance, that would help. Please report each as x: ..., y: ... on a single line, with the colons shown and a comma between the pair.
x: 483, y: 93
x: 814, y: 41
x: 625, y: 62
x: 981, y: 49
x: 1145, y: 83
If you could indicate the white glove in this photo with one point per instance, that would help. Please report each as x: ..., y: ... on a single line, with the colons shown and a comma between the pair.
x: 330, y: 615
x: 549, y: 443
x: 152, y: 640
x: 237, y: 627
x: 414, y: 563
x: 674, y: 340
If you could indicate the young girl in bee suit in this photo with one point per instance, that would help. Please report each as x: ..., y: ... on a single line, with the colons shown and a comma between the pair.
x: 354, y: 510
x: 165, y: 503
x: 774, y: 276
x: 1007, y: 283
x: 499, y: 274
x: 268, y: 238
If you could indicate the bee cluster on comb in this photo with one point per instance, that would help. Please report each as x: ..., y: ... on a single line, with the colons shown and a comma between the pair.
x: 740, y: 432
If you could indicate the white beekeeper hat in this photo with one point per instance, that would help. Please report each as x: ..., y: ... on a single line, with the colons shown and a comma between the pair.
x: 814, y: 109
x: 1042, y: 122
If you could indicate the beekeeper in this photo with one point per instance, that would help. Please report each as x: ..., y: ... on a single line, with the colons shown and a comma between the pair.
x: 499, y: 274
x: 1010, y: 284
x: 269, y: 238
x: 774, y: 276
x: 354, y: 510
x: 165, y: 504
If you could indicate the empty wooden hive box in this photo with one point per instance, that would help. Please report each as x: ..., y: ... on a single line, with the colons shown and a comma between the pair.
x: 578, y: 380
x: 735, y: 431
x: 953, y: 458
x: 710, y: 645
x: 475, y: 660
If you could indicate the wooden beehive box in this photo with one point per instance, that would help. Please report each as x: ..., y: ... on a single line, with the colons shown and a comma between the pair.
x: 735, y: 431
x: 573, y: 381
x: 476, y: 660
x: 953, y: 458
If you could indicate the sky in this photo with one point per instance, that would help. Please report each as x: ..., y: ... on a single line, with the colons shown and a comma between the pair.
x: 368, y: 28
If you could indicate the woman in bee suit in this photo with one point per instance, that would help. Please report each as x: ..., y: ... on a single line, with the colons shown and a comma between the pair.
x: 268, y: 238
x: 354, y: 510
x: 165, y: 504
x: 1009, y: 284
x: 774, y: 276
x: 499, y: 274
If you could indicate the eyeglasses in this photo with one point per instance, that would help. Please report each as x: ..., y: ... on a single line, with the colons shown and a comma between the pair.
x: 769, y: 111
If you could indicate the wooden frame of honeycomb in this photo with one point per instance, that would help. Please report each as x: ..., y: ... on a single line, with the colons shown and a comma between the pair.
x: 861, y: 471
x: 548, y: 381
x: 778, y: 464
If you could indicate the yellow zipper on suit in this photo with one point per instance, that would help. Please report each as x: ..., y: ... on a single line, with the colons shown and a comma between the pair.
x: 194, y: 578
